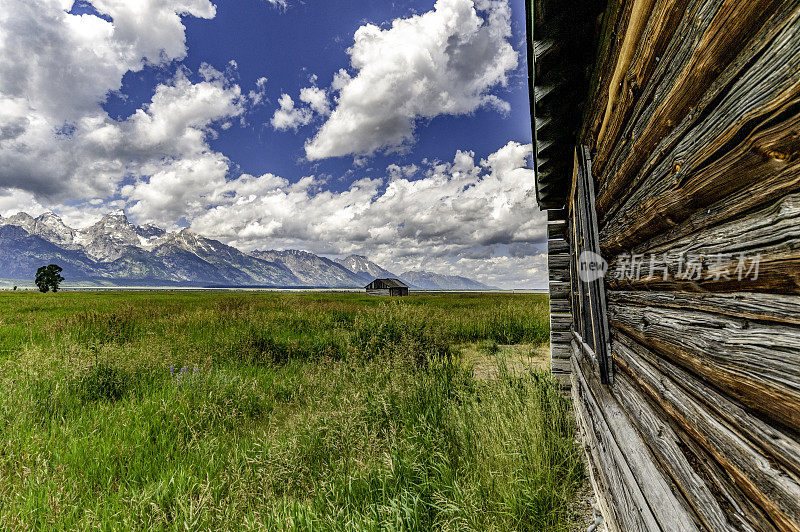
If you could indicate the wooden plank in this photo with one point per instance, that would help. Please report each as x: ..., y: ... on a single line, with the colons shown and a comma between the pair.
x: 661, y: 26
x: 771, y: 233
x: 776, y: 308
x: 640, y: 13
x: 560, y: 322
x: 769, y: 187
x: 722, y: 153
x: 729, y: 495
x: 559, y: 306
x: 560, y: 336
x: 781, y: 446
x: 615, y: 21
x: 752, y: 362
x: 556, y: 230
x: 774, y: 491
x: 598, y: 478
x: 666, y: 446
x: 558, y: 267
x: 677, y: 80
x: 644, y: 500
x: 560, y: 350
x: 666, y: 509
x: 585, y: 350
x: 687, y: 81
x: 612, y: 493
x: 557, y: 246
x: 564, y: 383
x: 559, y: 365
x: 559, y: 290
x: 555, y: 215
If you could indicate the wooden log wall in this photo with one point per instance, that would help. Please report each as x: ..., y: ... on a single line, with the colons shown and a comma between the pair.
x: 560, y: 314
x: 694, y: 127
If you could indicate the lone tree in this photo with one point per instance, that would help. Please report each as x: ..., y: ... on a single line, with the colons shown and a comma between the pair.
x: 48, y: 278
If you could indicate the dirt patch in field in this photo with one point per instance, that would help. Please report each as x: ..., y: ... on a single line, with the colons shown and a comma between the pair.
x: 486, y: 358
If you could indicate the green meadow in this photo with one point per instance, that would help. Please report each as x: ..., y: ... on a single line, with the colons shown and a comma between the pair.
x: 307, y: 411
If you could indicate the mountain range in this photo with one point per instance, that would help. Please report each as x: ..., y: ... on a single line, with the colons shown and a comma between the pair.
x: 115, y: 251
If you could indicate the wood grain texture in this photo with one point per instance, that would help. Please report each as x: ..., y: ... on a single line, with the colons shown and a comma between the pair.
x: 559, y: 365
x: 645, y: 140
x: 592, y: 442
x: 557, y: 247
x: 780, y: 445
x: 767, y: 188
x: 666, y: 447
x: 775, y: 492
x: 559, y: 290
x: 697, y: 68
x: 624, y: 506
x: 560, y: 322
x: 560, y: 336
x: 750, y: 132
x: 560, y: 350
x: 726, y: 491
x: 558, y: 267
x: 754, y: 363
x: 664, y: 17
x: 614, y: 24
x: 775, y: 308
x: 559, y: 306
x: 637, y: 22
x: 556, y: 230
x: 649, y: 498
x: 772, y: 233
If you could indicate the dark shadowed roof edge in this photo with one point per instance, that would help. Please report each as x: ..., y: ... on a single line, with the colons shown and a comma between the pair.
x: 561, y: 37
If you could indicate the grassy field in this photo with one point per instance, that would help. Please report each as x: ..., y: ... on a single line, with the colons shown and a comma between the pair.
x: 279, y: 411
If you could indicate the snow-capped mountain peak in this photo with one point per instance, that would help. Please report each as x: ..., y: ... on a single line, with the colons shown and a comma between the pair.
x: 21, y: 219
x: 118, y: 251
x: 364, y: 268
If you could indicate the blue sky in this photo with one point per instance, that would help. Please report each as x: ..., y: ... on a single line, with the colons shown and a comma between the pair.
x: 288, y: 46
x: 398, y: 130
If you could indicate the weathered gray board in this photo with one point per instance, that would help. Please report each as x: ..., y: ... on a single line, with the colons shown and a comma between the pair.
x: 560, y: 313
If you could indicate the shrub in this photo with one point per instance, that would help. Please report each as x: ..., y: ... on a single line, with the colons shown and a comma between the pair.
x: 102, y: 382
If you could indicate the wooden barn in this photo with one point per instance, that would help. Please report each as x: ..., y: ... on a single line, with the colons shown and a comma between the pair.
x: 387, y: 287
x: 667, y: 156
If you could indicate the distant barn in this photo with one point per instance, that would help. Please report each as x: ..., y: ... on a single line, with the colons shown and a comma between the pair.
x: 387, y: 287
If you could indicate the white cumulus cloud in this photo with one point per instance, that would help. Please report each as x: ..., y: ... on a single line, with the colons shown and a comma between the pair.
x: 462, y: 217
x: 443, y: 62
x: 288, y: 116
x: 58, y: 145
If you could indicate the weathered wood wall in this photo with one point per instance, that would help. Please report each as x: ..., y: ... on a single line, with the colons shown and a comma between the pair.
x: 694, y: 127
x: 560, y: 315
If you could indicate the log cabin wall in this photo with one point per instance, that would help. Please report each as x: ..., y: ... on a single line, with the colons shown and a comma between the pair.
x: 692, y: 124
x: 558, y: 264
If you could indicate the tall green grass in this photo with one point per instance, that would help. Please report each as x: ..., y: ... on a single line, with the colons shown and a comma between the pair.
x: 274, y: 411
